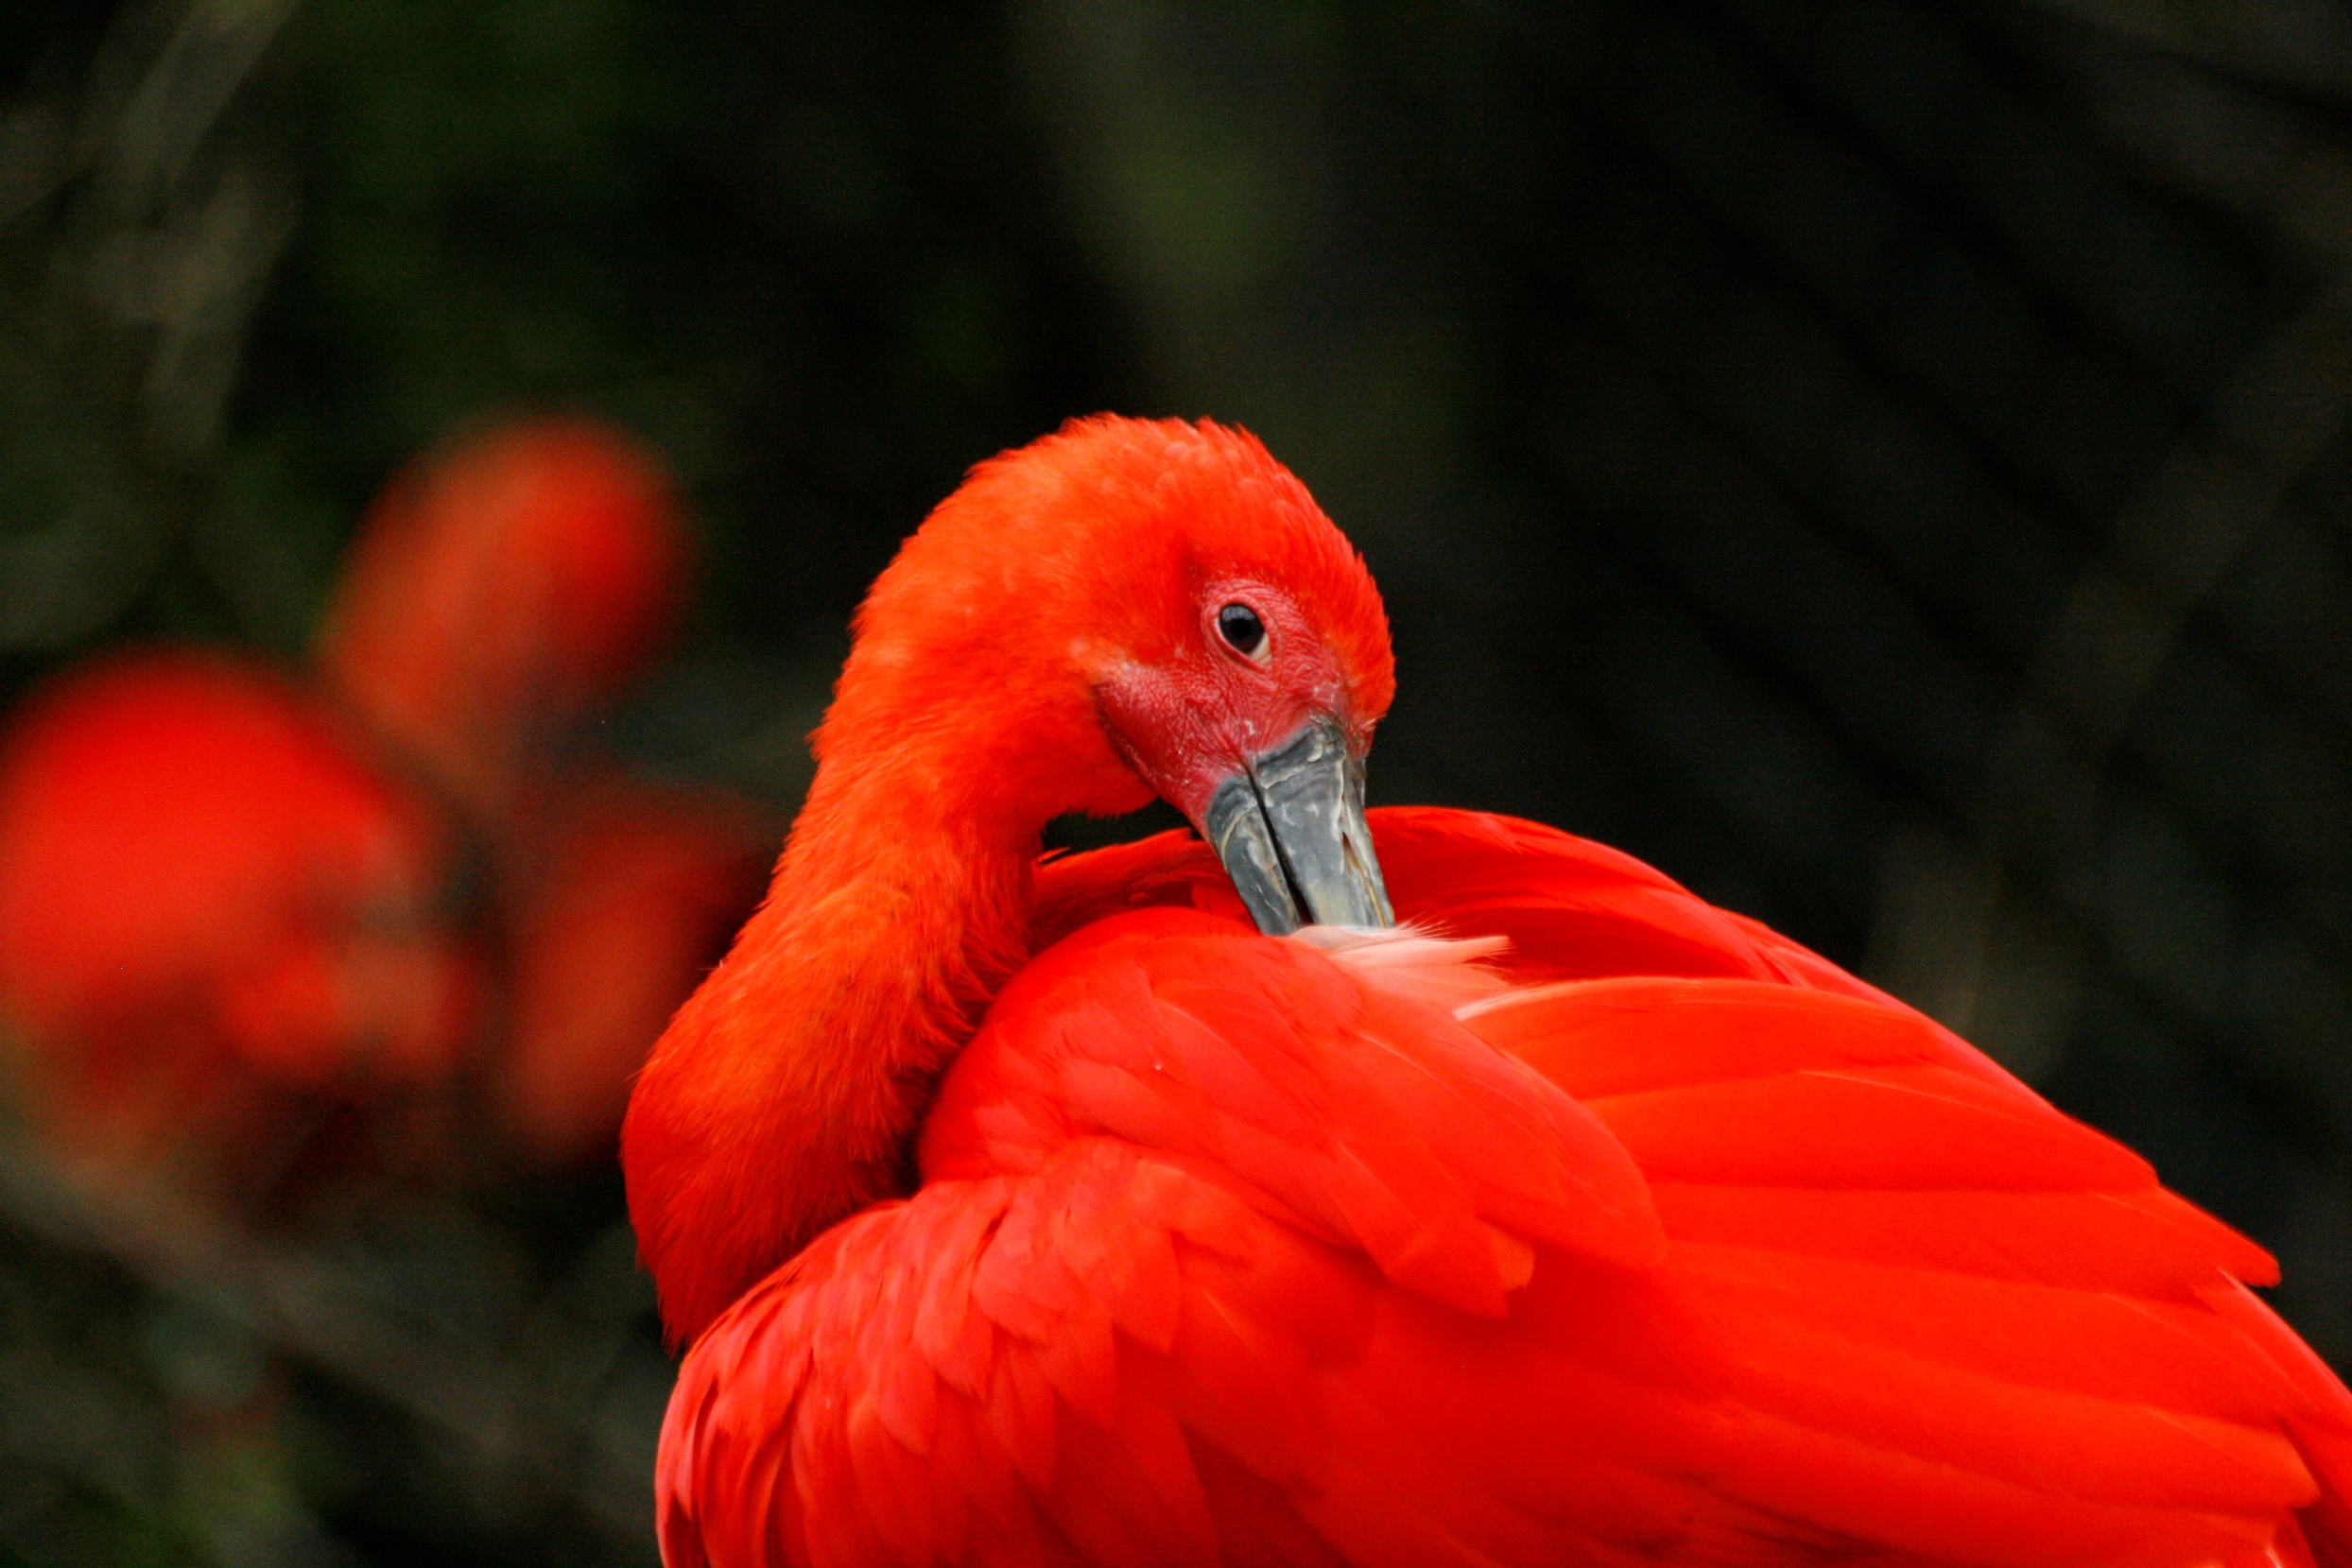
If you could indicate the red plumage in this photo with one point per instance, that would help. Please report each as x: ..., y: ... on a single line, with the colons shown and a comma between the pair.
x: 1813, y: 1281
x: 499, y: 590
x: 1620, y: 1230
x: 213, y: 912
x: 229, y: 913
x: 626, y: 895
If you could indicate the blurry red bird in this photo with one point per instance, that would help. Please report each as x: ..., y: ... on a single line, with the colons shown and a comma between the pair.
x: 497, y: 592
x: 1090, y: 1213
x: 209, y: 903
x: 634, y: 895
x: 209, y: 898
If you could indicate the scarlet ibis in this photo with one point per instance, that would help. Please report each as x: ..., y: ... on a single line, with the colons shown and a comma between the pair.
x: 1171, y: 1205
x: 499, y: 590
x: 213, y: 909
x: 212, y: 897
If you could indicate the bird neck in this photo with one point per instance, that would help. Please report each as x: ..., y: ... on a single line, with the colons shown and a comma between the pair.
x: 784, y: 1094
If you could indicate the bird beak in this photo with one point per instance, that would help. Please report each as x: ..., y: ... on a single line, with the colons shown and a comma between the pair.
x: 1289, y: 829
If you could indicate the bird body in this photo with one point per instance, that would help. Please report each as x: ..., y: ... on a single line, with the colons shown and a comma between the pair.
x: 251, y: 928
x: 214, y: 911
x: 1057, y: 1213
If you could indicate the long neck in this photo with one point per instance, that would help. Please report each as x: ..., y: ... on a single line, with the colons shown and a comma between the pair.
x: 784, y: 1095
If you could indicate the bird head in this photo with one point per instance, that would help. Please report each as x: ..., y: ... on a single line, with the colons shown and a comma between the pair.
x: 1137, y: 608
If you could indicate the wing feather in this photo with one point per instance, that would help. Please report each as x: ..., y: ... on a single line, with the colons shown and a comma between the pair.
x: 1688, y: 1249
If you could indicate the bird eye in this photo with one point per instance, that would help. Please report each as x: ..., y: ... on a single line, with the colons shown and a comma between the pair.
x: 1242, y: 631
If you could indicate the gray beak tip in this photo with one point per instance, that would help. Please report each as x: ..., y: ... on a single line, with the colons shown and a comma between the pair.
x: 1289, y: 829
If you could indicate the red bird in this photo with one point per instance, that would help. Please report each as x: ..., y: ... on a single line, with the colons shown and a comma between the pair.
x: 221, y: 918
x: 1110, y: 1211
x: 497, y: 592
x: 630, y: 897
x: 214, y: 913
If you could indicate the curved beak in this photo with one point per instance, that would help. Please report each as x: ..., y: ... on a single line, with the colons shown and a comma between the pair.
x: 1289, y: 829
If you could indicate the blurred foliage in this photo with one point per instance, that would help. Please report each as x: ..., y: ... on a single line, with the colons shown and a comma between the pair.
x: 1884, y: 462
x: 805, y: 254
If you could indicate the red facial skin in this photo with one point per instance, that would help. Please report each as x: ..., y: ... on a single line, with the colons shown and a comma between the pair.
x: 1189, y: 723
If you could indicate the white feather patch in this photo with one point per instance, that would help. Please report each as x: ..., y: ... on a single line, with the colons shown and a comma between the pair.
x: 1410, y: 960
